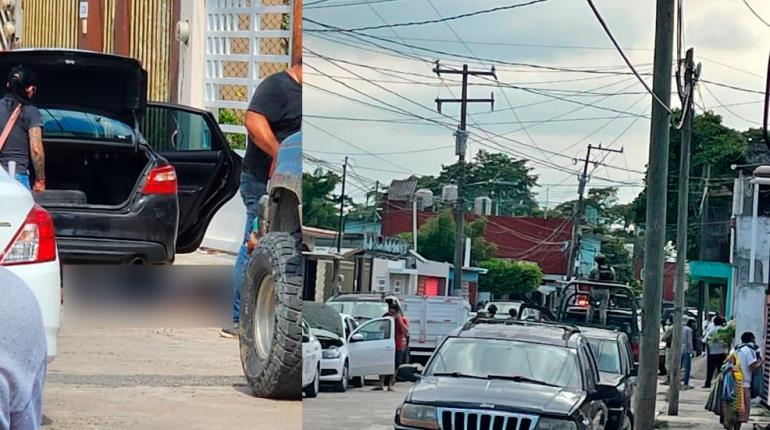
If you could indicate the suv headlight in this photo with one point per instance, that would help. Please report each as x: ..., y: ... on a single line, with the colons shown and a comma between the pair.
x: 419, y: 416
x: 332, y: 352
x: 555, y: 424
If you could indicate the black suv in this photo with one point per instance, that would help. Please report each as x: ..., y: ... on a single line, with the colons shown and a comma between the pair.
x: 507, y: 374
x: 615, y: 359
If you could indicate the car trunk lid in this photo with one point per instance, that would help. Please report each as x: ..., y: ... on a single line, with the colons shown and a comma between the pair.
x: 105, y: 84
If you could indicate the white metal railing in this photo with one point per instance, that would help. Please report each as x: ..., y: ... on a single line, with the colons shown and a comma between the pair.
x: 223, y: 30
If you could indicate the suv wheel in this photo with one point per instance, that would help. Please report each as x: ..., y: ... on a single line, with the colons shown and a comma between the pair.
x: 271, y: 308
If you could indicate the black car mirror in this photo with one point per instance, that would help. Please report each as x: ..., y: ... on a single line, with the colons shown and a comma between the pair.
x: 604, y: 392
x: 409, y: 372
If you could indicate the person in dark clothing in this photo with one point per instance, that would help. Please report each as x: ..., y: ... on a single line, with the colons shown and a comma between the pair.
x: 25, y: 140
x: 275, y: 113
x: 512, y: 314
x: 717, y: 351
x: 492, y: 310
x: 22, y: 355
x: 602, y: 271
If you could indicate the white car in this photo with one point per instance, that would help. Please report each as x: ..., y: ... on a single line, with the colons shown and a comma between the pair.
x: 28, y: 249
x: 351, y: 352
x: 311, y: 362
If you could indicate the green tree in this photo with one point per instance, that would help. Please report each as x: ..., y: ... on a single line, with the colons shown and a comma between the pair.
x: 320, y: 207
x: 436, y: 239
x: 714, y: 145
x: 506, y: 277
x: 507, y: 181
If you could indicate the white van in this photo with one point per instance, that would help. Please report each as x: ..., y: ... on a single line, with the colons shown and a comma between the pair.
x: 431, y: 319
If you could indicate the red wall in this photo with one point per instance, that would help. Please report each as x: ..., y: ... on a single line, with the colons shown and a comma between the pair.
x: 518, y: 238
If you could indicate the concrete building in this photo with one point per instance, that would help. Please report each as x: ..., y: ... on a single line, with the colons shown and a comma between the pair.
x: 751, y: 253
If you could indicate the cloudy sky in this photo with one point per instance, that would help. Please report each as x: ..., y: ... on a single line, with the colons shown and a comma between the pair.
x: 369, y: 97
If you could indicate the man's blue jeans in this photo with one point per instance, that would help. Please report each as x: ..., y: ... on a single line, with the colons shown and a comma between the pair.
x: 251, y: 191
x: 23, y: 178
x: 686, y: 367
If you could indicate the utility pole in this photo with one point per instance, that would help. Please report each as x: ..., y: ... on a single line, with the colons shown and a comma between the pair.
x: 690, y: 77
x: 654, y: 240
x: 460, y: 147
x: 578, y: 211
x: 342, y: 205
x: 376, y: 193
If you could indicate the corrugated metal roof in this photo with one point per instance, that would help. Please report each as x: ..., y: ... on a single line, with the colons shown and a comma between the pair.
x: 402, y: 189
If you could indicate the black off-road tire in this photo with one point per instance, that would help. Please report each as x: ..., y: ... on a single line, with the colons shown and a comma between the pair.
x: 276, y: 374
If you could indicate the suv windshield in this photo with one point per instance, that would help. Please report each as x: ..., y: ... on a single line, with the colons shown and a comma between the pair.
x: 492, y: 358
x: 365, y: 310
x: 67, y: 124
x: 607, y: 354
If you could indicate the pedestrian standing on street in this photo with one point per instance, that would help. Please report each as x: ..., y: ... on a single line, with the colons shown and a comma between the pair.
x: 22, y: 355
x: 402, y: 332
x: 21, y: 138
x: 667, y: 337
x: 750, y: 361
x: 687, y: 352
x: 717, y: 350
x: 274, y: 113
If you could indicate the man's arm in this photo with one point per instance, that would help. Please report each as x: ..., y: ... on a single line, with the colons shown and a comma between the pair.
x: 261, y: 133
x: 38, y: 156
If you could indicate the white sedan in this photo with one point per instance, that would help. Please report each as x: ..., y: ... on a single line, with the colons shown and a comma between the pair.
x: 28, y: 249
x: 351, y: 352
x: 311, y: 362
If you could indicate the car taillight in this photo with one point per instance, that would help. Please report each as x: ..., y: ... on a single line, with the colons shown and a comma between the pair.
x: 582, y: 301
x: 35, y: 242
x: 161, y: 180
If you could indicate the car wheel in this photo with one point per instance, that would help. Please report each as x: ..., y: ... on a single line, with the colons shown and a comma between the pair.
x: 358, y: 382
x: 342, y: 385
x: 271, y: 308
x: 312, y: 390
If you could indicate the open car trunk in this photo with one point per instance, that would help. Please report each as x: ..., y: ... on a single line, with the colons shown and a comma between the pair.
x: 91, y: 173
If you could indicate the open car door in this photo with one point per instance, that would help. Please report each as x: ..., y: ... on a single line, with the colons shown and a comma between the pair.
x: 372, y: 348
x: 207, y: 169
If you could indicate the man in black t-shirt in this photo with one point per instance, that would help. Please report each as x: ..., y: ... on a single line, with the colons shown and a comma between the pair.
x: 275, y: 113
x: 24, y: 143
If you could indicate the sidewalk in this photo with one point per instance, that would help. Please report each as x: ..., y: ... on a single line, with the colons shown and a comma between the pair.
x: 692, y: 413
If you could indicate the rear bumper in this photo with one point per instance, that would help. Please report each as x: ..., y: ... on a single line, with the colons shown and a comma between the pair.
x: 74, y: 251
x: 44, y: 279
x: 146, y: 230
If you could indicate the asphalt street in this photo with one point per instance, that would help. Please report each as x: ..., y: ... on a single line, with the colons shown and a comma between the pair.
x: 358, y: 408
x: 121, y: 368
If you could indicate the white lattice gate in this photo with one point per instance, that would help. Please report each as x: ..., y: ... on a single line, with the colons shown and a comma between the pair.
x: 246, y: 40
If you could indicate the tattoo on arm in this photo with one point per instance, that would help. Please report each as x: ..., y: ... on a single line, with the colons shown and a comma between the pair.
x: 38, y: 155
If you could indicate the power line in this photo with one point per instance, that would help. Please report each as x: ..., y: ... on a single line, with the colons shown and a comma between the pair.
x: 315, y: 4
x: 430, y: 21
x: 625, y: 58
x: 719, y: 102
x: 375, y: 154
x: 759, y: 17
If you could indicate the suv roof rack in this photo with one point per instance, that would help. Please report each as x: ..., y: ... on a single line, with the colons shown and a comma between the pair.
x: 572, y: 329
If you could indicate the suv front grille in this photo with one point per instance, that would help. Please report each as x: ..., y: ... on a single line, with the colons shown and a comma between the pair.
x: 470, y: 419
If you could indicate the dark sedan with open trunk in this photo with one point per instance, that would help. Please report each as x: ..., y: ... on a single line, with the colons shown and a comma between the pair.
x: 128, y: 181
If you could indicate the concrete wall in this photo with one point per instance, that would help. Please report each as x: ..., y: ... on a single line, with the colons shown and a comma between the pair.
x: 192, y: 54
x: 749, y: 294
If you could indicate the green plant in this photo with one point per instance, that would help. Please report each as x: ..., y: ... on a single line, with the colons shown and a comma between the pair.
x: 506, y: 277
x: 725, y: 335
